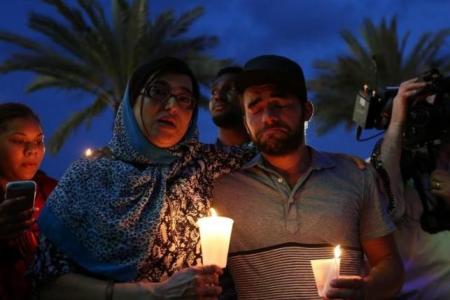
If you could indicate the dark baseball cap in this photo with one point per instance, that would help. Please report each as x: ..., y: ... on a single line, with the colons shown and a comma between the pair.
x: 274, y: 69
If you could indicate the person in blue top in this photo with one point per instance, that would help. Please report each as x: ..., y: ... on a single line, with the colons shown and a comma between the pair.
x: 122, y: 223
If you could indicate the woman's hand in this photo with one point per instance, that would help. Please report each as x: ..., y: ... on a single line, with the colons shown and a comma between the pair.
x: 191, y: 283
x: 13, y: 219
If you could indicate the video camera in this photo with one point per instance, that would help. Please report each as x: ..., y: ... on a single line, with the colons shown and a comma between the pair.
x: 427, y: 126
x: 427, y: 121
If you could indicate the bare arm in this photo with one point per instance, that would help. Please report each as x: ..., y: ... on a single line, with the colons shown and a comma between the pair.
x: 386, y: 270
x: 191, y: 283
x: 391, y: 148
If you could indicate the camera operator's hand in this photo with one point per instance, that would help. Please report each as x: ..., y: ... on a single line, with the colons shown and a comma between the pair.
x: 405, y: 92
x: 440, y: 184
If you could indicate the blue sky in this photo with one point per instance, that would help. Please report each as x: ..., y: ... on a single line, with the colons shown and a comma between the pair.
x: 303, y: 30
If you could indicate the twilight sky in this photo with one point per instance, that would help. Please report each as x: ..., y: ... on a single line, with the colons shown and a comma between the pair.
x: 302, y: 30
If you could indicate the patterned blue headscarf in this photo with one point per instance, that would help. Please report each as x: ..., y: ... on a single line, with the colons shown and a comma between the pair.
x: 105, y: 210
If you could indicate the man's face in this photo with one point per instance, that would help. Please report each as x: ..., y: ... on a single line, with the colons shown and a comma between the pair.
x: 224, y: 103
x: 275, y: 119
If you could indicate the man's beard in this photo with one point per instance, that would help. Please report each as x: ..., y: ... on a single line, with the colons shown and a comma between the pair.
x: 229, y: 119
x: 280, y: 145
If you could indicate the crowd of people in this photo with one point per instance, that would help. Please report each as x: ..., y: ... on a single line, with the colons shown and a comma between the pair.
x: 122, y: 223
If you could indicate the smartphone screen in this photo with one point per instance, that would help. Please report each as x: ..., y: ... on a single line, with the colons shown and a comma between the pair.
x: 25, y: 189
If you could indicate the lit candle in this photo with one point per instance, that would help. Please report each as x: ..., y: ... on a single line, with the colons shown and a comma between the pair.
x: 326, y: 270
x: 337, y: 260
x: 88, y: 152
x: 215, y: 233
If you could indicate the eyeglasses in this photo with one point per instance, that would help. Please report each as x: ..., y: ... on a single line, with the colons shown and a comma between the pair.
x: 160, y: 92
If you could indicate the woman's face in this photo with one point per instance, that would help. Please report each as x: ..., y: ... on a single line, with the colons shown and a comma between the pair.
x: 21, y: 149
x: 165, y: 114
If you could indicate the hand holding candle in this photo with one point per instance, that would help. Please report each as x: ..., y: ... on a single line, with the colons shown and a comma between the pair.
x: 215, y: 233
x: 326, y: 270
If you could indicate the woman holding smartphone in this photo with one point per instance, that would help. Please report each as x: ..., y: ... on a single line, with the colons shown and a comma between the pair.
x: 21, y: 152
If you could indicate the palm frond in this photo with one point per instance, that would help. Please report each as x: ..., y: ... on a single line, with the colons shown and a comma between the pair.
x: 58, y: 33
x: 86, y: 50
x: 44, y: 82
x: 22, y: 42
x: 51, y: 64
x: 74, y: 16
x: 182, y: 24
x: 379, y: 57
x: 68, y: 127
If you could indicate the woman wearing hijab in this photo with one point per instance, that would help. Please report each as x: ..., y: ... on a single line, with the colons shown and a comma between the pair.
x: 123, y: 223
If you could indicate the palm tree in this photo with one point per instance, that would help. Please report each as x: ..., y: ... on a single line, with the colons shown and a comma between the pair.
x: 380, y: 59
x: 88, y: 51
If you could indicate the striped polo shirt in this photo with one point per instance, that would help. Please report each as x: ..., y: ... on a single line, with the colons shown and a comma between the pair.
x: 278, y: 230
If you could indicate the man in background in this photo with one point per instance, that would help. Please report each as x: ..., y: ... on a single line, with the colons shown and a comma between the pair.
x: 225, y: 109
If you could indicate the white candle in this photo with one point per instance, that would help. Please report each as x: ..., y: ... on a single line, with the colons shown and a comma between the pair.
x: 215, y: 233
x: 337, y: 260
x: 326, y: 270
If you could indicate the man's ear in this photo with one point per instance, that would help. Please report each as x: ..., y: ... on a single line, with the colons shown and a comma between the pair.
x: 308, y: 108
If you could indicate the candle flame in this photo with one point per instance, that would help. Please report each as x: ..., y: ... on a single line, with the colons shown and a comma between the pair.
x: 88, y: 152
x: 337, y: 251
x: 213, y: 212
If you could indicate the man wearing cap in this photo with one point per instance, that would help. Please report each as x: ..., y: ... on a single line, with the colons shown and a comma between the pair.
x: 293, y: 204
x: 225, y: 109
